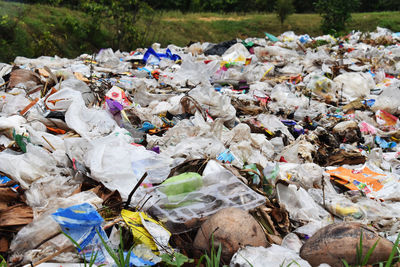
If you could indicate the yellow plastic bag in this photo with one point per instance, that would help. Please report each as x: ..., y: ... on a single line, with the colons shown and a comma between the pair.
x: 139, y: 231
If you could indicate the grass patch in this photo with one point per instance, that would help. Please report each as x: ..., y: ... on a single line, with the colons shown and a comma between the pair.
x: 46, y: 30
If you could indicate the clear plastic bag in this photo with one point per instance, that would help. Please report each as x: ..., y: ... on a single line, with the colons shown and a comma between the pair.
x: 89, y: 122
x: 220, y: 189
x: 28, y: 167
x: 388, y: 100
x: 292, y: 241
x: 274, y: 256
x: 218, y: 106
x: 322, y: 86
x: 119, y: 165
x: 299, y: 204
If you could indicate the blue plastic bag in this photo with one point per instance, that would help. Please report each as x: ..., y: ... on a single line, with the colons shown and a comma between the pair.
x: 226, y: 156
x: 383, y: 143
x: 150, y: 52
x: 81, y: 223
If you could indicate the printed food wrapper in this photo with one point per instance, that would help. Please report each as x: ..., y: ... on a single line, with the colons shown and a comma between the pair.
x: 365, y: 179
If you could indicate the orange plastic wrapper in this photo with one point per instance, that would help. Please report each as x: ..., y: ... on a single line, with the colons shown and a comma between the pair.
x: 364, y: 180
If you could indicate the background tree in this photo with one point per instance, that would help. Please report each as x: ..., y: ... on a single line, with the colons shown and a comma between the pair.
x: 283, y: 9
x: 335, y: 13
x: 304, y: 6
x: 125, y: 14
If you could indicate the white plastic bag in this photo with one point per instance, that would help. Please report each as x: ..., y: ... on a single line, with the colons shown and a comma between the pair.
x: 354, y: 84
x: 273, y: 256
x: 299, y: 204
x: 119, y: 165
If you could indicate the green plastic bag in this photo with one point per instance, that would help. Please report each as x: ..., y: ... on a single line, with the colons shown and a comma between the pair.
x: 271, y: 37
x: 21, y: 141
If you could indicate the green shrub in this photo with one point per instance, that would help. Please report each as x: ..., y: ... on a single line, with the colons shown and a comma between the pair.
x: 335, y: 14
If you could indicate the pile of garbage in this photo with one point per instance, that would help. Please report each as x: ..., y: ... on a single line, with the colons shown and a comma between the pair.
x: 265, y: 150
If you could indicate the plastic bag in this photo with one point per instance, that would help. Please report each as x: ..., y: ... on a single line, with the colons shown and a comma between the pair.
x: 119, y: 165
x: 292, y: 242
x: 79, y: 86
x: 364, y: 179
x: 300, y: 151
x: 338, y: 205
x: 193, y: 72
x: 275, y: 256
x: 28, y: 167
x: 255, y: 72
x: 43, y: 228
x: 354, y: 84
x: 220, y: 189
x: 147, y: 231
x: 273, y: 124
x: 299, y: 204
x: 322, y: 86
x: 236, y: 53
x: 158, y: 56
x: 217, y: 105
x: 388, y: 100
x: 89, y: 122
x: 13, y: 102
x: 83, y: 224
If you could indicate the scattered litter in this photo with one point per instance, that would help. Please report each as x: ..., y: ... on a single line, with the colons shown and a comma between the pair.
x: 281, y: 149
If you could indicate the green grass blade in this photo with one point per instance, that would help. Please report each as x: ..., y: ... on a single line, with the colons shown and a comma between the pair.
x: 369, y: 253
x: 212, y: 246
x: 3, y: 262
x: 394, y: 250
x: 128, y: 256
x: 93, y: 259
x: 109, y: 250
x: 72, y: 240
x: 208, y: 261
x: 121, y: 249
x: 121, y: 257
x: 251, y: 265
x: 345, y: 263
x: 295, y: 262
x: 201, y: 260
x: 218, y: 257
x: 76, y: 244
x: 359, y: 250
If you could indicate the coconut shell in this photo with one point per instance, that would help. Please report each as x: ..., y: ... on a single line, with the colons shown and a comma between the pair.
x: 232, y: 228
x: 339, y: 241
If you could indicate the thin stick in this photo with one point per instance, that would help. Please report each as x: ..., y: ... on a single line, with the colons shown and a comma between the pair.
x: 323, y: 191
x: 1, y: 85
x: 47, y: 141
x: 128, y: 202
x: 52, y: 255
